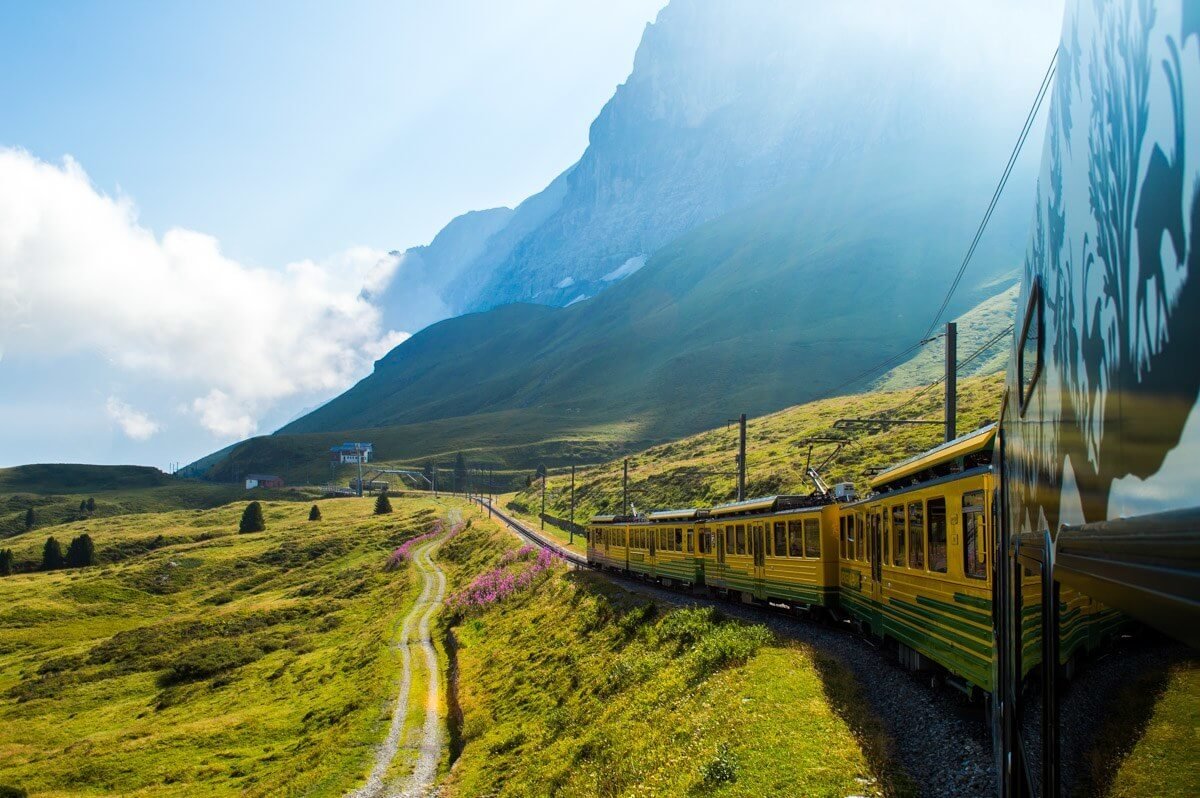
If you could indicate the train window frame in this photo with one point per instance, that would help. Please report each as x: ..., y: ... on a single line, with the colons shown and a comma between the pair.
x: 1034, y: 313
x: 899, y: 535
x: 980, y: 532
x: 916, y: 535
x: 812, y: 526
x: 779, y: 529
x: 944, y: 530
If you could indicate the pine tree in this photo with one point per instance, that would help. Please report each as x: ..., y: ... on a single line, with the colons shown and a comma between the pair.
x: 52, y: 556
x: 382, y: 505
x: 91, y: 505
x: 428, y: 471
x: 6, y: 562
x: 252, y: 518
x: 314, y: 514
x: 460, y: 472
x: 82, y: 506
x: 82, y: 552
x: 29, y: 518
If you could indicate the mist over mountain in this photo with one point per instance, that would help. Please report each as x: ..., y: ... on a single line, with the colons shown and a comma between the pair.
x: 725, y: 104
x: 777, y: 197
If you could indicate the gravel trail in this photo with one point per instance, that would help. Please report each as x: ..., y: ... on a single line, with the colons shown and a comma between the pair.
x: 432, y: 590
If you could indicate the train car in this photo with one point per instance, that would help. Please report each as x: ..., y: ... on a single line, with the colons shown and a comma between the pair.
x: 914, y: 563
x: 607, y: 536
x: 779, y: 549
x: 1099, y: 442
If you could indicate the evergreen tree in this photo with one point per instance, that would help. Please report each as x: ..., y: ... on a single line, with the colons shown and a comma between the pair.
x: 252, y: 518
x: 428, y: 471
x: 6, y: 562
x: 541, y: 471
x: 82, y: 552
x: 91, y: 505
x: 52, y: 556
x: 82, y: 506
x: 460, y: 472
x: 29, y: 518
x: 314, y: 514
x: 382, y: 505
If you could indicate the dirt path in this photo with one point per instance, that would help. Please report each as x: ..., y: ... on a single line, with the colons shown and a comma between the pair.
x: 429, y: 742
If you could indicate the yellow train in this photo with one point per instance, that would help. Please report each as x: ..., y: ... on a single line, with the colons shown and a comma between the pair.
x: 909, y: 564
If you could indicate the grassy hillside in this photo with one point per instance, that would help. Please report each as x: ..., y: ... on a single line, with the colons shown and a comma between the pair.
x: 976, y: 328
x: 580, y: 688
x: 700, y: 469
x: 205, y: 662
x: 54, y: 492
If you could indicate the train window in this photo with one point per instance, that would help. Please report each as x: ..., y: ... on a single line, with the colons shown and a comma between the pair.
x: 842, y: 535
x: 937, y: 535
x: 740, y: 536
x: 729, y: 547
x: 1029, y: 354
x: 812, y: 537
x: 861, y: 537
x: 795, y: 539
x: 898, y: 528
x: 690, y: 544
x: 916, y: 534
x: 974, y: 537
x: 678, y: 538
x: 849, y: 542
x: 781, y: 541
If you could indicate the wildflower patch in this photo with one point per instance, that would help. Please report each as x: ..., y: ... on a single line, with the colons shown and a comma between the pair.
x: 403, y: 553
x: 516, y: 571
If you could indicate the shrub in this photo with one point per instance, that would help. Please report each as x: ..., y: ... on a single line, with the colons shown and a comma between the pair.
x: 52, y: 556
x: 314, y: 514
x: 252, y: 518
x: 91, y: 505
x: 686, y: 627
x: 209, y: 658
x: 6, y: 562
x: 12, y: 792
x: 382, y: 505
x: 29, y: 518
x: 728, y: 644
x: 721, y: 769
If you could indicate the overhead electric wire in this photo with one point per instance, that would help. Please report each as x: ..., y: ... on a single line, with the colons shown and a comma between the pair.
x: 1012, y: 161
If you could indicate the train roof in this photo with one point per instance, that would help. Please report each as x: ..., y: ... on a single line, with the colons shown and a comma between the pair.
x: 975, y: 441
x: 603, y: 519
x: 689, y: 514
x: 763, y: 504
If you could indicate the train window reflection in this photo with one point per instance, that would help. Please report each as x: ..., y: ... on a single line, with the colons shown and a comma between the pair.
x: 916, y: 535
x: 937, y: 535
x: 795, y: 539
x: 1029, y: 355
x: 812, y: 537
x: 974, y: 543
x: 898, y: 528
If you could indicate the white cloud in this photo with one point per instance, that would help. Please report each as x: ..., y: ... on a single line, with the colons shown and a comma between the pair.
x: 79, y: 273
x: 134, y: 423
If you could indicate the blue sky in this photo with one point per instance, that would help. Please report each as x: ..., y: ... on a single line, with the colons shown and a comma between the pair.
x: 199, y: 191
x: 294, y: 129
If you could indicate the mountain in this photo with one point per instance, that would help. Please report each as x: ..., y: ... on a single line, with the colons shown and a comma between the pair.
x: 726, y: 103
x: 772, y: 202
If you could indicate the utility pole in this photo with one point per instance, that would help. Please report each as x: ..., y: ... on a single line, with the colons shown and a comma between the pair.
x: 741, y: 457
x: 625, y: 489
x: 951, y: 380
x: 571, y: 528
x: 435, y: 470
x: 543, y: 515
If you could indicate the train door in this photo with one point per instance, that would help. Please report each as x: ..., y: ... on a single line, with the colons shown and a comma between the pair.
x: 877, y: 553
x: 758, y: 544
x: 703, y: 552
